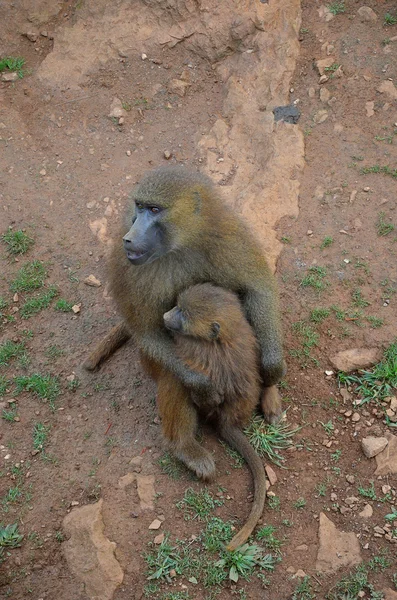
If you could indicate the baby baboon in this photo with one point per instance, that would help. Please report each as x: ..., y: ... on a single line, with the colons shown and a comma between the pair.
x: 213, y: 337
x: 180, y: 233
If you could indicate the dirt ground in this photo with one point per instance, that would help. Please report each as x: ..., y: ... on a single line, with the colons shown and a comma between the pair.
x: 66, y: 171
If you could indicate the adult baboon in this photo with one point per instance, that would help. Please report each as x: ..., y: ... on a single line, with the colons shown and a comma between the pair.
x: 180, y: 233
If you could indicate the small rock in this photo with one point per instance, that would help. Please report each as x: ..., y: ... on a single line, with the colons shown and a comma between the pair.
x: 333, y: 497
x: 167, y: 154
x: 146, y: 491
x: 159, y: 539
x: 143, y: 56
x: 367, y: 512
x: 92, y: 281
x: 356, y: 358
x: 32, y: 36
x: 116, y: 109
x: 300, y: 573
x: 369, y: 107
x: 311, y: 92
x: 324, y: 63
x: 178, y: 87
x: 323, y: 79
x: 302, y: 548
x: 379, y: 530
x: 136, y: 463
x: 156, y: 524
x: 172, y: 573
x: 350, y: 479
x: 386, y: 461
x: 325, y: 94
x: 15, y: 298
x: 371, y: 446
x: 320, y: 116
x: 348, y: 413
x: 337, y: 548
x: 351, y: 500
x: 126, y: 480
x: 9, y: 77
x: 386, y: 489
x: 325, y: 13
x: 356, y: 417
x: 43, y: 172
x: 387, y: 87
x: 290, y: 569
x: 393, y: 403
x: 271, y: 475
x: 366, y: 14
x: 76, y: 308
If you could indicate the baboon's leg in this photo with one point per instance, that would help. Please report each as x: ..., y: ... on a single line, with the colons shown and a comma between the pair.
x: 179, y: 423
x: 113, y: 340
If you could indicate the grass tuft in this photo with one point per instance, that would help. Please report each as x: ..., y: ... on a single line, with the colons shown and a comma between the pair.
x: 198, y: 505
x: 383, y: 227
x: 377, y: 383
x: 30, y: 277
x: 45, y: 387
x: 35, y: 305
x: 268, y: 440
x: 18, y: 242
x: 10, y: 350
x: 12, y: 63
x: 315, y: 278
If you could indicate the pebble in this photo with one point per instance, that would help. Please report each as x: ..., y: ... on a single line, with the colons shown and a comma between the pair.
x: 76, y: 308
x: 9, y: 77
x: 367, y: 512
x: 159, y: 539
x: 92, y: 281
x: 167, y: 154
x: 271, y: 475
x: 156, y: 524
x: 320, y: 116
x: 350, y: 479
x: 366, y: 14
x: 371, y: 446
x: 143, y: 56
x: 356, y: 417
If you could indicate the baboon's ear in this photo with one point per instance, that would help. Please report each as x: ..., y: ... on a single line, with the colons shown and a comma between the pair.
x: 215, y: 327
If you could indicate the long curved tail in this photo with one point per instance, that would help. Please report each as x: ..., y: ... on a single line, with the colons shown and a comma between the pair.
x: 109, y: 344
x: 236, y: 438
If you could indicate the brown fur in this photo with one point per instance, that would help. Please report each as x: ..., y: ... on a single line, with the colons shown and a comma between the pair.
x: 201, y: 240
x: 214, y: 337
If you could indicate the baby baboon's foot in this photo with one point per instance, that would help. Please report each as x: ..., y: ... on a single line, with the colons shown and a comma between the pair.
x: 271, y: 405
x: 196, y: 458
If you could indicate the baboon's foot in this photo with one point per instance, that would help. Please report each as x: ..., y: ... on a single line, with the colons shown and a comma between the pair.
x: 271, y: 405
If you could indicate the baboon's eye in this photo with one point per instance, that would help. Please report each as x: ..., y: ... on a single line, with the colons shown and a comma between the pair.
x: 154, y: 210
x: 139, y: 205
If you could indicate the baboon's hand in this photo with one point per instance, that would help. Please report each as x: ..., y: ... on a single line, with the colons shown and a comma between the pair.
x: 208, y: 401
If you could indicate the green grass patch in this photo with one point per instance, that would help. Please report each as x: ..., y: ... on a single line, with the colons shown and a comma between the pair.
x: 350, y: 586
x: 17, y: 242
x: 44, y: 387
x: 9, y: 538
x: 4, y: 385
x: 30, y: 277
x: 379, y: 382
x: 358, y: 300
x: 318, y: 315
x: 336, y: 8
x: 12, y: 63
x: 53, y: 352
x: 40, y: 436
x: 238, y: 460
x: 383, y: 227
x: 269, y: 440
x: 10, y: 350
x: 198, y: 505
x: 315, y: 278
x: 304, y: 590
x: 242, y: 562
x: 309, y: 339
x: 386, y: 170
x: 63, y: 305
x: 368, y: 492
x: 327, y: 241
x: 216, y: 535
x: 375, y: 322
x: 9, y: 415
x: 38, y: 303
x: 389, y: 19
x: 269, y: 540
